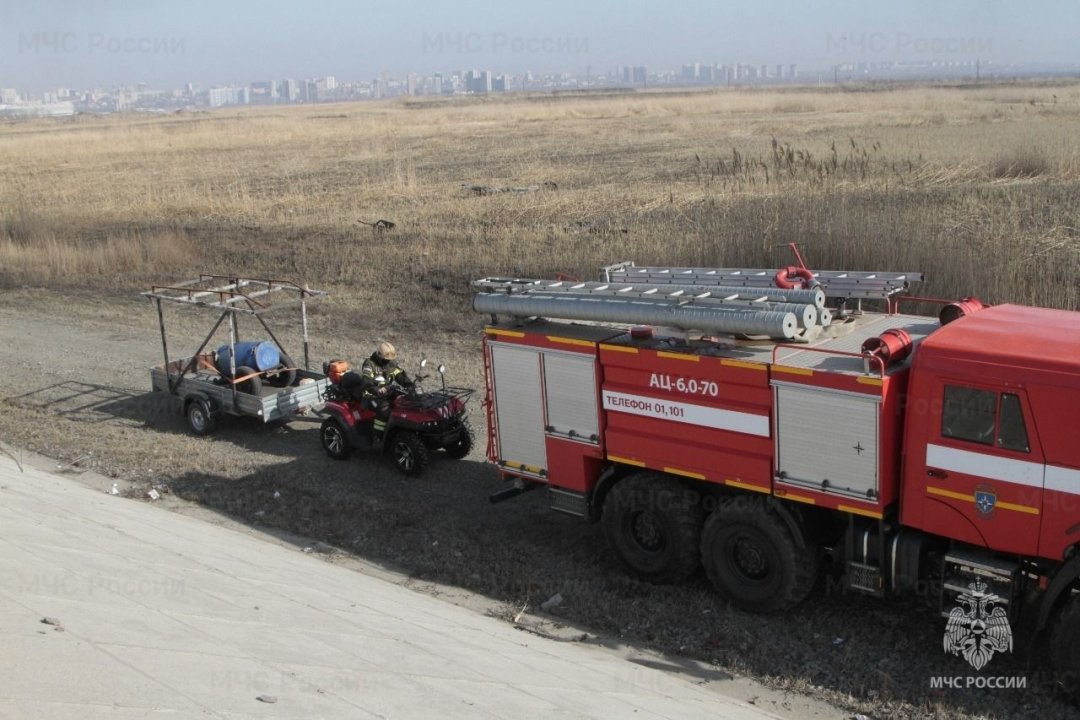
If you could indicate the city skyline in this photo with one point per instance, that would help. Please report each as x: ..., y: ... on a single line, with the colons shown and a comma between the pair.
x: 108, y: 43
x: 283, y: 91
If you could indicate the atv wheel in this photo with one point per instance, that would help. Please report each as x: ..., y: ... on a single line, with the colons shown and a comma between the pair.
x: 409, y: 453
x: 200, y: 419
x: 334, y: 440
x: 460, y: 447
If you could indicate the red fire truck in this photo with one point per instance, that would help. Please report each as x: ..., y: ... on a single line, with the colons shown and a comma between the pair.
x: 758, y: 422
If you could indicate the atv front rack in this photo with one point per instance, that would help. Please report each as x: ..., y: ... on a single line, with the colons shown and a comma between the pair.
x: 429, y: 400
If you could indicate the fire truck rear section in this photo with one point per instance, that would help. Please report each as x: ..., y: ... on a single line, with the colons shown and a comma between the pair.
x: 760, y: 440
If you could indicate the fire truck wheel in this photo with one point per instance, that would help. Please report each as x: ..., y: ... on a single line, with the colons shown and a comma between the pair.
x: 409, y: 453
x: 752, y: 559
x: 1064, y: 641
x: 461, y: 447
x: 334, y: 440
x: 653, y: 523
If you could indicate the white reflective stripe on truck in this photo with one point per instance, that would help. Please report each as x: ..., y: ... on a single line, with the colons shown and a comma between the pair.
x: 663, y: 409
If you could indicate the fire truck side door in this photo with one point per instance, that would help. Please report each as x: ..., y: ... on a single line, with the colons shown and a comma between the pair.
x: 983, y: 461
x: 519, y: 406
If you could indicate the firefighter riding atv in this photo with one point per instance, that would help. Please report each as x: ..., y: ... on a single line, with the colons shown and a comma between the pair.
x: 418, y: 421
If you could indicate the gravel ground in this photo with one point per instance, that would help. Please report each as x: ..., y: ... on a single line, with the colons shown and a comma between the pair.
x: 74, y: 387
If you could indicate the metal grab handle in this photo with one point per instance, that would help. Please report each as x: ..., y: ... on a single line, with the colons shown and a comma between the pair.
x: 940, y: 474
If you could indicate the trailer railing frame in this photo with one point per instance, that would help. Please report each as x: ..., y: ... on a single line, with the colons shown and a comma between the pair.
x: 238, y: 295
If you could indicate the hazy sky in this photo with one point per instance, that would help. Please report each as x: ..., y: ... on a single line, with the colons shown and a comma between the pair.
x: 83, y: 43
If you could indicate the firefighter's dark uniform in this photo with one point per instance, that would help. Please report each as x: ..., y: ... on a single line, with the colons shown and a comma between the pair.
x: 373, y: 368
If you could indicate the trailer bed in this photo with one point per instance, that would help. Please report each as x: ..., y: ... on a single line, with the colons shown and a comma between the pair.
x: 305, y: 396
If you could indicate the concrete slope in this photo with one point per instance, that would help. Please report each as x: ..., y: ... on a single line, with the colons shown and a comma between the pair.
x: 162, y: 615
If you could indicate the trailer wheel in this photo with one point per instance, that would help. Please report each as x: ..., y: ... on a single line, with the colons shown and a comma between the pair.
x: 282, y: 377
x: 1064, y: 641
x: 334, y: 440
x: 200, y: 419
x: 409, y: 453
x: 752, y: 559
x: 653, y: 523
x: 460, y: 447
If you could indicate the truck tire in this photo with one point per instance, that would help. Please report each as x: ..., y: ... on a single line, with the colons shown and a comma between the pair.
x: 282, y: 377
x: 334, y: 439
x: 752, y: 559
x: 251, y: 386
x: 200, y: 419
x: 1064, y: 641
x: 460, y: 447
x: 409, y: 453
x: 653, y: 523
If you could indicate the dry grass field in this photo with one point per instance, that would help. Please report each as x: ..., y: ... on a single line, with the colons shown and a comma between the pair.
x: 977, y: 187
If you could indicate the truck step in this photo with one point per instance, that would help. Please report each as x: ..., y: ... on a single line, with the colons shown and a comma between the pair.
x: 568, y: 501
x: 865, y: 578
x: 964, y: 571
x: 974, y: 563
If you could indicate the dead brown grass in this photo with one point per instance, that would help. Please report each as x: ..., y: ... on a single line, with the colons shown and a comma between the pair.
x: 974, y: 186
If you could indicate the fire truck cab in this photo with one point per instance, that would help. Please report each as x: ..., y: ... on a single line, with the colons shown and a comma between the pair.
x: 991, y: 451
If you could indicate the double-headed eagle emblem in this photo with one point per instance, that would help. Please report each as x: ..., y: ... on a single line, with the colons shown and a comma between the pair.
x: 978, y: 627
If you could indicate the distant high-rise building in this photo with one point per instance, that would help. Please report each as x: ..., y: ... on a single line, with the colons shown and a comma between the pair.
x: 689, y: 72
x: 290, y: 89
x: 437, y: 84
x: 216, y: 97
x: 640, y: 75
x: 410, y: 84
x: 478, y: 82
x: 264, y: 88
x: 627, y: 74
x: 500, y: 83
x: 791, y: 71
x: 779, y: 71
x: 764, y: 72
x: 330, y: 82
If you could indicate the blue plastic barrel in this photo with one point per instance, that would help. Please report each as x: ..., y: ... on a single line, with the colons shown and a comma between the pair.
x: 258, y: 354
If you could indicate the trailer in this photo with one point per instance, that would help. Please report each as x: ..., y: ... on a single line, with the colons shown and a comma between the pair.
x: 763, y: 424
x: 207, y: 386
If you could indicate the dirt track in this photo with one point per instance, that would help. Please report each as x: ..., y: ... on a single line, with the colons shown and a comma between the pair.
x: 73, y: 383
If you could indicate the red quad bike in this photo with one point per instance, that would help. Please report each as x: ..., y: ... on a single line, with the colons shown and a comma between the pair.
x: 420, y: 422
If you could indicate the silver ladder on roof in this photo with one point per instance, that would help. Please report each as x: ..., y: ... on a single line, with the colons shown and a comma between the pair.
x: 679, y: 293
x: 836, y: 283
x: 775, y: 313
